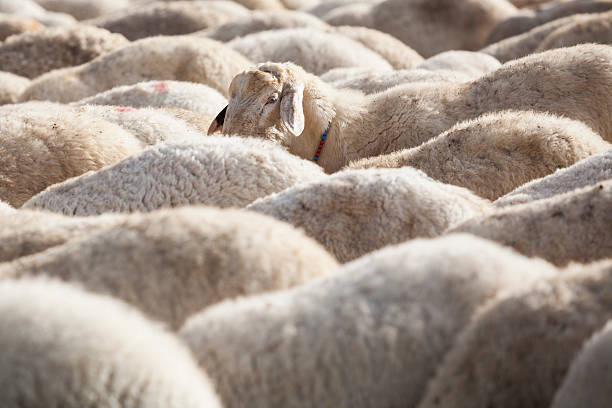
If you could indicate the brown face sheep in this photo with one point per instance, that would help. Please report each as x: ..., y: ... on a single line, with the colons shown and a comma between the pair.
x: 61, y: 346
x: 173, y: 263
x: 517, y: 349
x: 283, y: 103
x: 45, y: 144
x: 496, y: 153
x: 180, y: 58
x: 576, y: 226
x: 368, y: 336
x: 32, y: 54
x: 357, y: 211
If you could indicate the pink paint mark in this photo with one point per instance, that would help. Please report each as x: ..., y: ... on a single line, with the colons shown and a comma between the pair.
x: 124, y: 109
x: 159, y: 86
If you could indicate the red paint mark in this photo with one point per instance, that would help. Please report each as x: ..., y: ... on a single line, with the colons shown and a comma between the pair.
x: 159, y: 86
x: 124, y: 109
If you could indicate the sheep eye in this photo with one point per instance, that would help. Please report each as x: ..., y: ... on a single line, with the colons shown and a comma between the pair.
x: 272, y: 99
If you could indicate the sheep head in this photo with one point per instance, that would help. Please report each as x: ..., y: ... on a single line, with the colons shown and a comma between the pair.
x: 278, y: 102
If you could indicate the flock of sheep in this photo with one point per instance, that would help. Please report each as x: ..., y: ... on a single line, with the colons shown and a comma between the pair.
x: 305, y: 203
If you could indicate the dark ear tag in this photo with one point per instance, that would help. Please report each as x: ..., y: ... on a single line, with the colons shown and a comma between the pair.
x: 217, y: 124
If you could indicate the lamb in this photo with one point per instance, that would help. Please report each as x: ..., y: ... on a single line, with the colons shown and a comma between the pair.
x: 82, y: 10
x: 258, y: 21
x: 398, y: 54
x: 10, y: 25
x: 526, y: 43
x: 63, y: 347
x: 150, y: 126
x: 528, y: 19
x: 281, y: 101
x: 588, y: 381
x: 586, y: 172
x: 498, y: 152
x: 168, y: 18
x: 30, y: 9
x: 597, y: 29
x: 355, y: 212
x: 537, y: 331
x: 162, y: 94
x: 575, y: 226
x: 40, y: 147
x: 173, y: 263
x: 32, y: 54
x: 217, y: 171
x: 180, y: 58
x: 11, y: 87
x: 430, y: 27
x: 314, y: 50
x: 368, y: 336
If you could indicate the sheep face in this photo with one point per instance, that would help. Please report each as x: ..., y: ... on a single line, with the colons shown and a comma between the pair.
x: 265, y: 102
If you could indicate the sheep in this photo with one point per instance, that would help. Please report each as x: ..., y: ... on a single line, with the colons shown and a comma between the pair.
x: 218, y: 171
x: 597, y: 29
x: 180, y: 58
x: 30, y: 9
x: 526, y: 43
x: 588, y: 381
x: 167, y: 18
x: 325, y: 7
x: 369, y: 81
x: 150, y: 126
x: 575, y: 226
x: 82, y: 10
x: 196, y: 120
x: 498, y: 152
x: 161, y: 94
x: 472, y: 64
x: 518, y: 348
x: 11, y: 87
x: 32, y: 54
x: 173, y: 263
x: 46, y: 145
x: 430, y: 27
x: 261, y: 4
x: 300, y: 4
x: 355, y: 212
x: 368, y: 336
x: 281, y: 101
x: 399, y: 55
x: 314, y: 50
x: 586, y: 172
x: 63, y: 347
x: 528, y: 19
x: 258, y: 21
x: 10, y: 25
x: 25, y: 232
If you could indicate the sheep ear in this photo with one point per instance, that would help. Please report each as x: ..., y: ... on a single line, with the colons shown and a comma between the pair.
x: 291, y: 109
x: 217, y: 124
